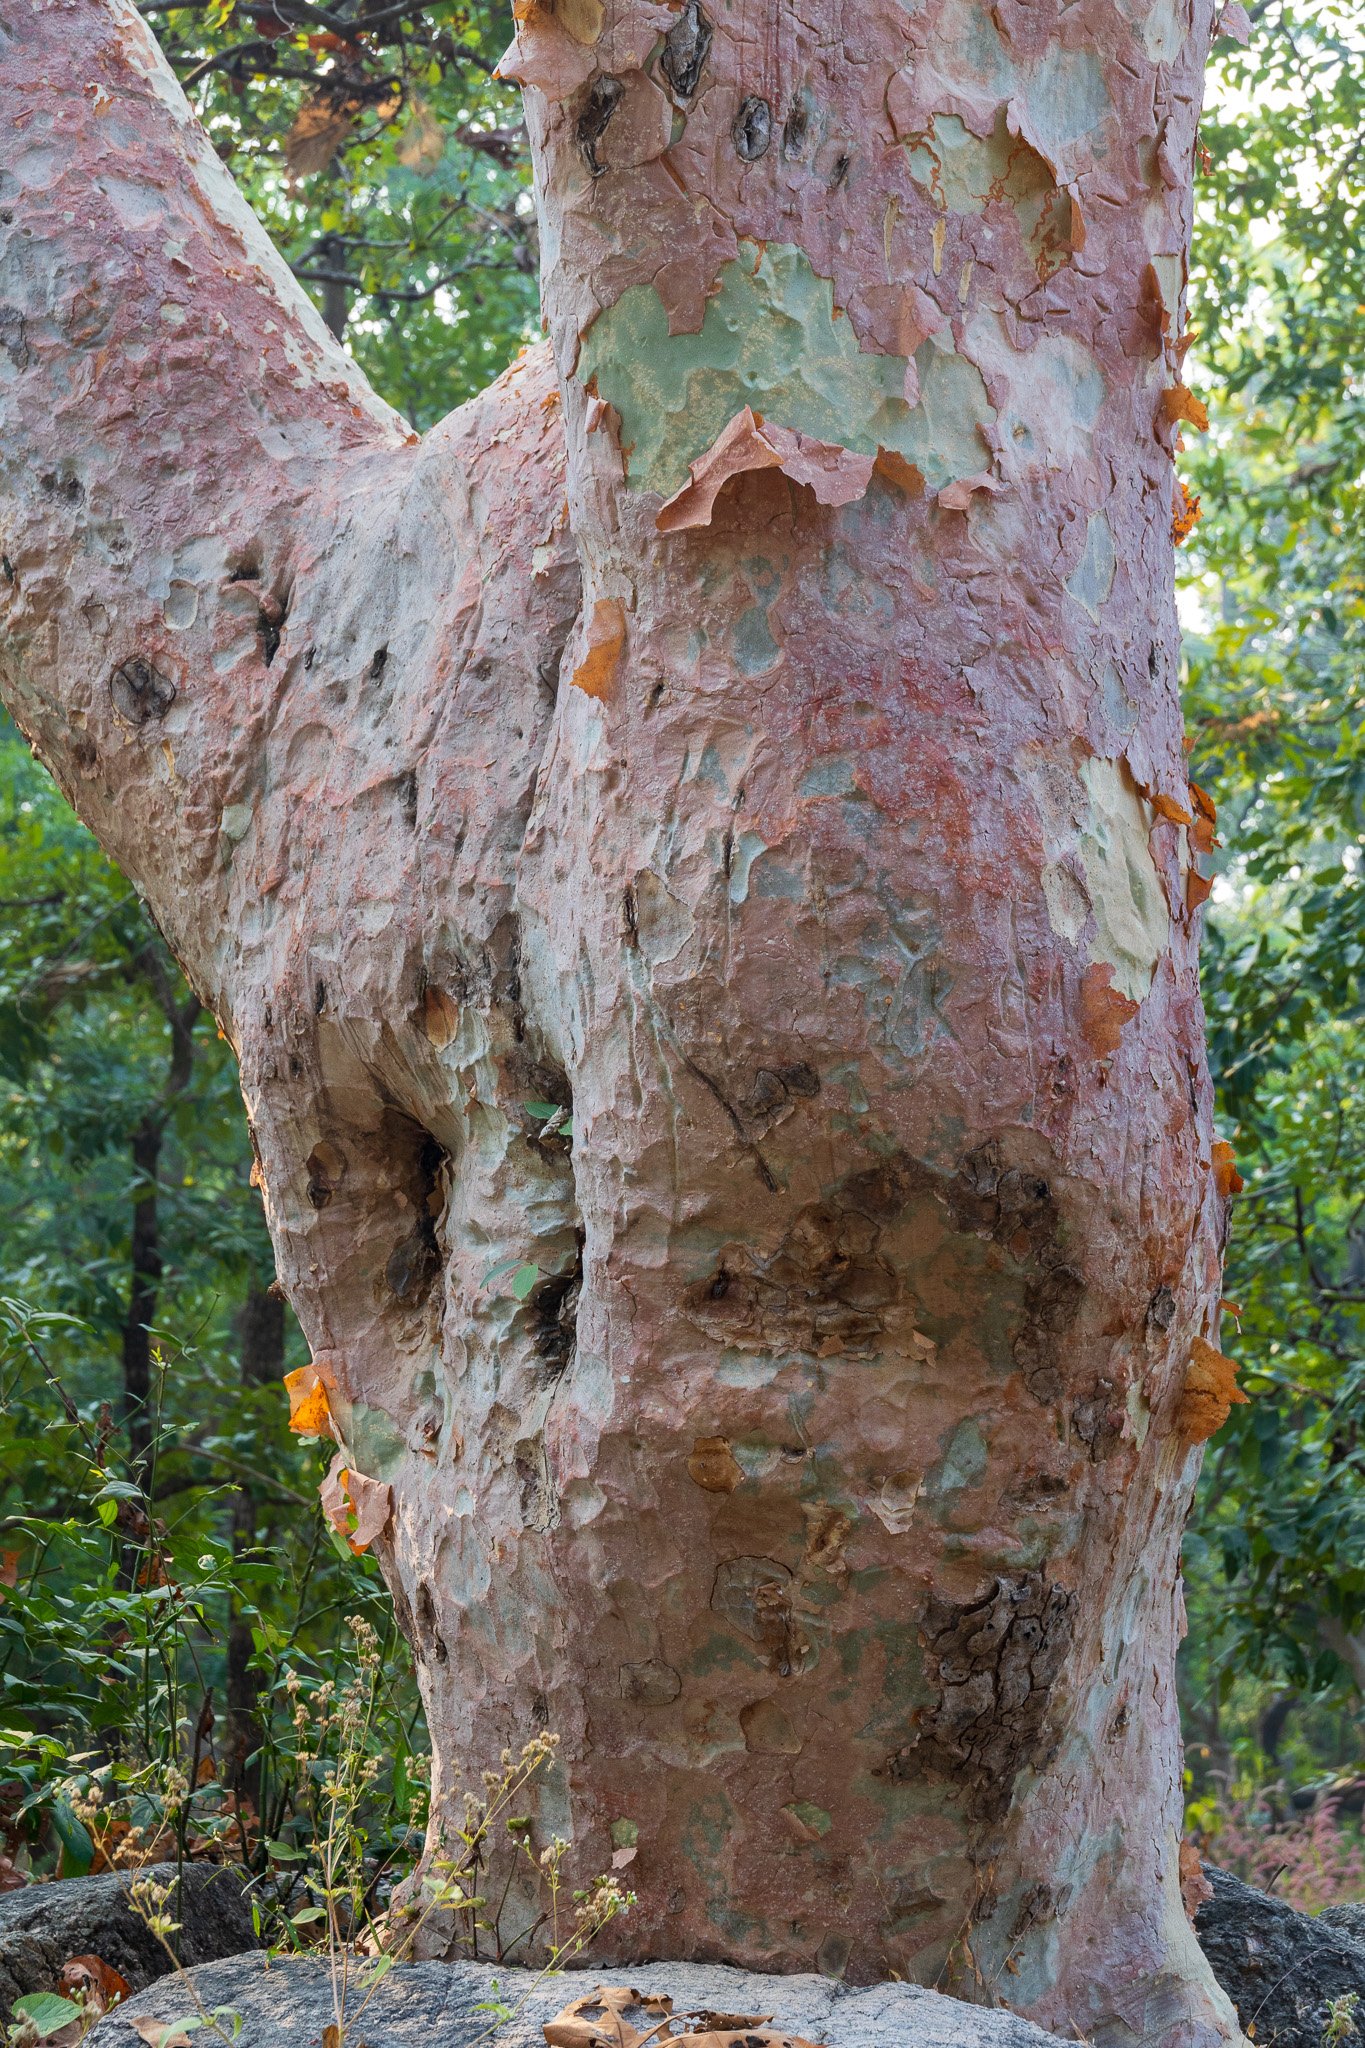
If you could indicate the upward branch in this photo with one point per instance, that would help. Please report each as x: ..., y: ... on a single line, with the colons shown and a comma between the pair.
x: 169, y: 400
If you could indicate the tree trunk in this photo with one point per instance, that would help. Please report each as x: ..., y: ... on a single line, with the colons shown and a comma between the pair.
x: 823, y: 1482
x: 260, y: 1337
x: 144, y: 1285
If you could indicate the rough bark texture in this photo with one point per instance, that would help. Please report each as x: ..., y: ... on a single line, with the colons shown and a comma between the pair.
x: 816, y: 839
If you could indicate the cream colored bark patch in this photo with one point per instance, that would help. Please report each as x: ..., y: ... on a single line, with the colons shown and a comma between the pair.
x: 1099, y: 875
x: 1131, y: 918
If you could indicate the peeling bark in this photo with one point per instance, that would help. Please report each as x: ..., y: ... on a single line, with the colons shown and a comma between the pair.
x: 825, y: 1488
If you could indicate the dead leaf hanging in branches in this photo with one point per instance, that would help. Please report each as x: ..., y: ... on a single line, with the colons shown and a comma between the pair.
x: 321, y: 128
x: 423, y: 141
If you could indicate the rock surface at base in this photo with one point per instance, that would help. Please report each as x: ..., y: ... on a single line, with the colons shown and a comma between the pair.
x: 435, y: 2005
x: 45, y: 1924
x: 1282, y: 1968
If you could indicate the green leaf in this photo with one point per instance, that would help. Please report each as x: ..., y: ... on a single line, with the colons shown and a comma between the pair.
x: 78, y: 1851
x: 46, y: 2012
x: 523, y: 1280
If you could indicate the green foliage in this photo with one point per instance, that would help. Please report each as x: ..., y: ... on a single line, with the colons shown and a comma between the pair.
x: 1275, y: 602
x: 389, y: 166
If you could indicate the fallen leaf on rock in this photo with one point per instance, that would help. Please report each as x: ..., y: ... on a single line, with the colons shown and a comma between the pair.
x: 599, y: 2021
x: 1104, y: 1010
x: 835, y: 475
x: 101, y: 1983
x: 1226, y: 1178
x: 1195, y: 1889
x: 596, y: 673
x: 1178, y: 402
x: 310, y: 1412
x: 1209, y: 1392
x: 160, y: 2033
x: 712, y: 1465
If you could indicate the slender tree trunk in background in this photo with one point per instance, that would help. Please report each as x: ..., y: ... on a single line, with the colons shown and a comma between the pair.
x: 144, y: 1252
x: 758, y: 730
x: 260, y: 1337
x: 144, y: 1283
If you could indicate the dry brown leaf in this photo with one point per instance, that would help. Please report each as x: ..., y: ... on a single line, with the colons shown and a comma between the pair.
x: 1178, y: 402
x: 331, y: 2035
x: 310, y: 1412
x: 1209, y: 1393
x: 597, y: 672
x: 160, y: 2033
x: 1104, y: 1010
x: 599, y: 2021
x: 321, y: 128
x: 1226, y: 1178
x: 712, y: 1465
x: 596, y: 2020
x: 1167, y: 807
x: 94, y: 1980
x: 423, y: 141
x: 1195, y: 1889
x: 9, y: 1567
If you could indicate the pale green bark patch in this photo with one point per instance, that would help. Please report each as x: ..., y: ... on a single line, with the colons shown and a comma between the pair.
x: 772, y: 339
x: 965, y: 173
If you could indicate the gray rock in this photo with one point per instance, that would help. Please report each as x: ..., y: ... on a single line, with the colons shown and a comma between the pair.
x: 45, y: 1924
x: 1348, y: 1919
x: 436, y: 2005
x: 1281, y: 1968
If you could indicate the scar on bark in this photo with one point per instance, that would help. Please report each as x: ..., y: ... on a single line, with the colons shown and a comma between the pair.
x: 604, y: 96
x: 411, y: 1268
x: 686, y: 48
x: 994, y: 1662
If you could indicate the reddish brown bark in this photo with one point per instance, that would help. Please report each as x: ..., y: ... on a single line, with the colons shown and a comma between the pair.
x: 825, y: 1489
